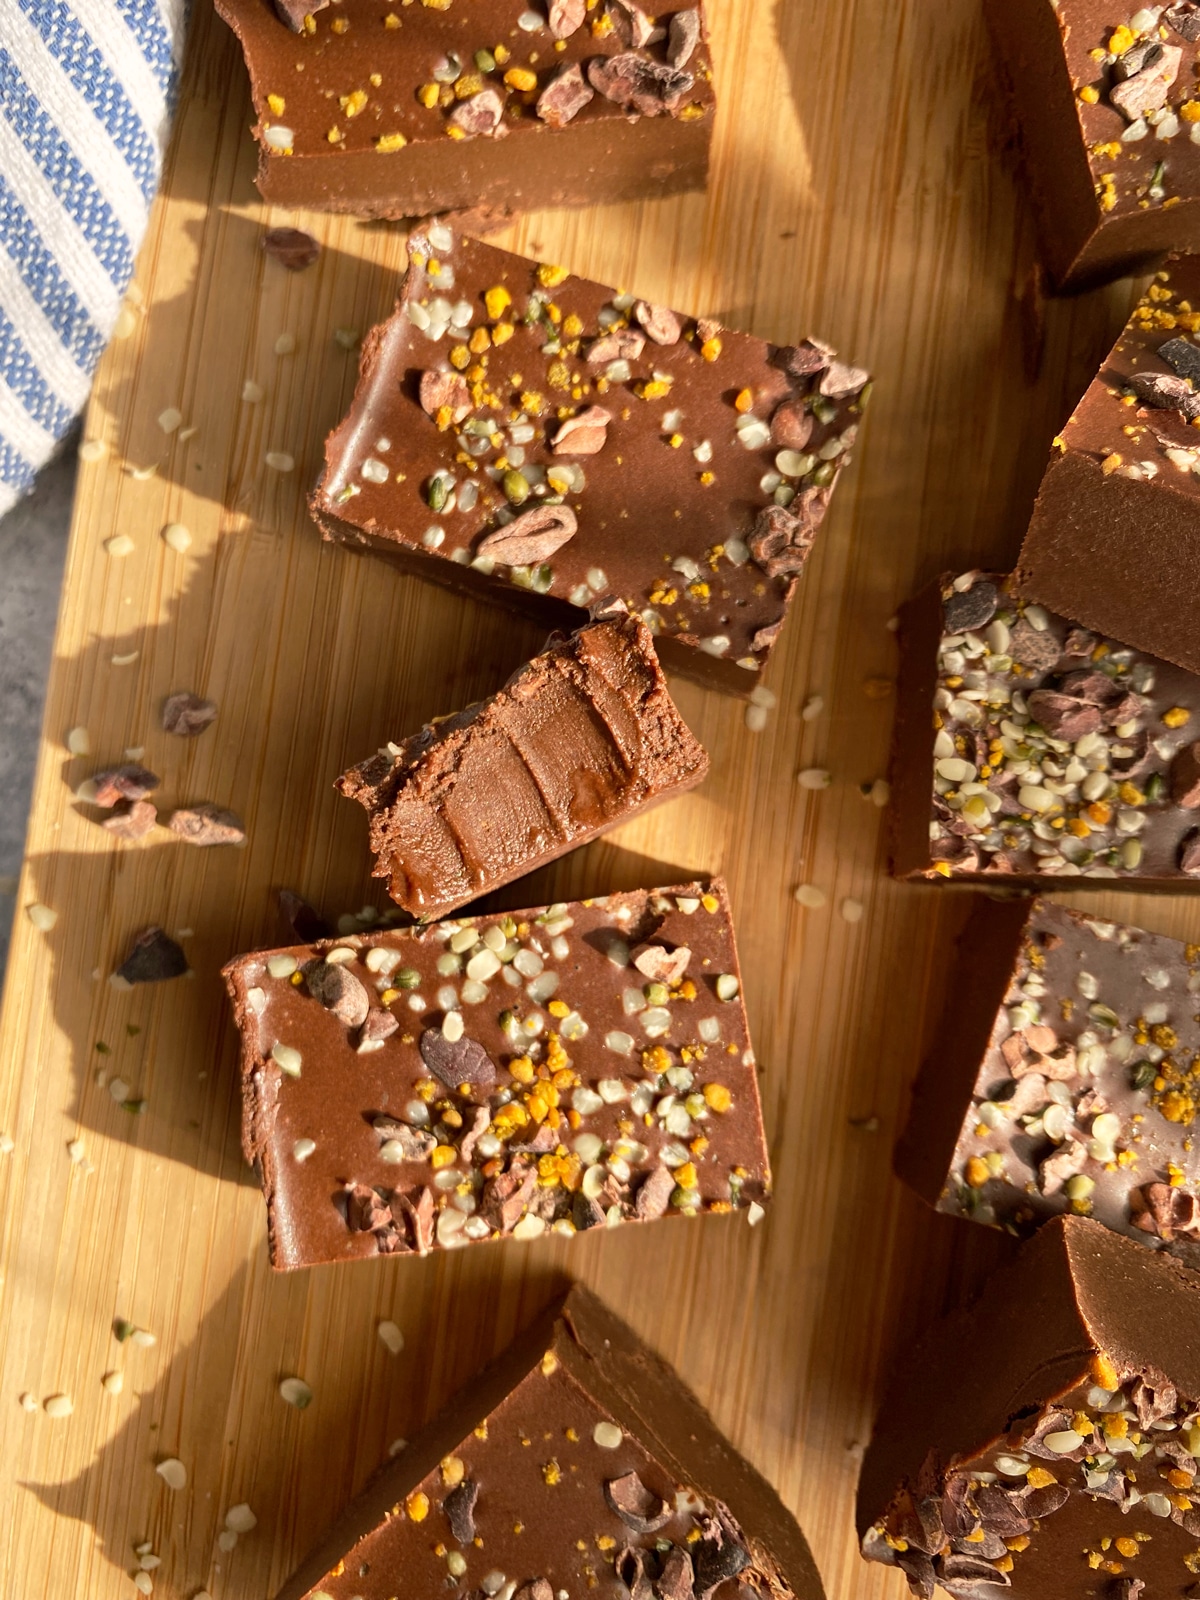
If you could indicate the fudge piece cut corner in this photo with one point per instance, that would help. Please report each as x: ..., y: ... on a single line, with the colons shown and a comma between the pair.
x: 1103, y: 102
x: 516, y: 1075
x: 582, y: 738
x: 524, y: 435
x: 576, y: 1461
x: 1043, y: 1443
x: 1028, y: 748
x: 1114, y: 541
x: 1061, y: 1078
x: 402, y: 110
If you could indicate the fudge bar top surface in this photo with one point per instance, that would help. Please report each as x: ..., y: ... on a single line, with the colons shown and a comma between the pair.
x: 1071, y: 1427
x: 582, y: 736
x: 576, y: 441
x: 1137, y: 418
x: 360, y: 76
x: 1143, y: 60
x: 1056, y: 751
x: 376, y: 1131
x: 1086, y: 1092
x: 576, y: 1461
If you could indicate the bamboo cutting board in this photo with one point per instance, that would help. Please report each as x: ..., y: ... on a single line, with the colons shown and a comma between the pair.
x: 861, y: 190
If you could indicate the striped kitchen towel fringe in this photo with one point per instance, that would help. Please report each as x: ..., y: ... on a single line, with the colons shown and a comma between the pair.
x: 86, y: 88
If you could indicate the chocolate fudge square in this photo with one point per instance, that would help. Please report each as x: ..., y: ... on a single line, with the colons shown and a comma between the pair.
x: 584, y: 737
x: 1043, y: 1443
x: 1115, y: 537
x: 1063, y: 1078
x: 398, y: 109
x: 549, y: 1071
x: 1106, y: 106
x: 1028, y: 747
x: 577, y: 1461
x: 535, y: 439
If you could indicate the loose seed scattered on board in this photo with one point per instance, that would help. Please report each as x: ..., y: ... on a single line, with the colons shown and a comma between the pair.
x: 347, y: 338
x: 757, y: 718
x: 126, y: 323
x: 240, y: 1518
x: 252, y: 392
x: 170, y: 419
x: 810, y: 897
x: 42, y: 917
x: 878, y: 793
x: 76, y: 1151
x: 27, y: 1401
x: 119, y: 546
x: 112, y: 1382
x: 143, y: 1583
x: 391, y: 1336
x: 7, y: 1144
x: 279, y: 460
x: 172, y: 1472
x: 58, y: 1405
x: 78, y: 742
x: 851, y: 910
x: 93, y: 450
x: 813, y: 708
x: 187, y: 714
x: 760, y: 695
x: 285, y: 344
x: 125, y: 660
x: 814, y: 778
x: 177, y: 536
x: 226, y: 1540
x: 296, y: 1392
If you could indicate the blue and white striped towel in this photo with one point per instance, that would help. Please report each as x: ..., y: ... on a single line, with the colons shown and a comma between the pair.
x: 85, y: 97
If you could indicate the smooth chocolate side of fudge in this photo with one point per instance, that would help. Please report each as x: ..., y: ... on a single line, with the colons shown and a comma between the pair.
x: 1029, y: 748
x: 1103, y: 103
x: 1044, y: 1441
x: 545, y: 441
x: 1115, y: 536
x: 553, y: 1070
x: 402, y: 110
x: 1061, y: 1079
x: 582, y: 738
x: 577, y: 1461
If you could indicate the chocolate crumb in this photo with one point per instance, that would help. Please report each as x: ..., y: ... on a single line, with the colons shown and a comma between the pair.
x: 207, y: 824
x: 459, y: 1507
x: 132, y: 821
x: 457, y: 1061
x: 153, y: 958
x: 291, y: 247
x: 123, y: 783
x: 187, y: 714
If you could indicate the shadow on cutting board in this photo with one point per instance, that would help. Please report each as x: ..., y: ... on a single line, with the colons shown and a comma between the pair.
x: 216, y: 1408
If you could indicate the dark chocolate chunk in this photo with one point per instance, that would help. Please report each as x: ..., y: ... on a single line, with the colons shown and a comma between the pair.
x: 1182, y: 356
x: 339, y: 991
x: 153, y: 958
x: 1166, y: 393
x: 123, y: 783
x: 457, y: 1061
x: 676, y: 1580
x: 1032, y: 647
x: 639, y: 1508
x: 716, y: 1560
x: 291, y: 247
x: 366, y: 1211
x: 306, y: 923
x: 565, y: 96
x: 643, y: 86
x: 1064, y: 716
x: 207, y: 824
x: 187, y: 714
x: 630, y: 1566
x: 459, y: 1506
x: 967, y: 610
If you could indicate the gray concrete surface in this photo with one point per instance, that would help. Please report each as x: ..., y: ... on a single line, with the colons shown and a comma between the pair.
x: 33, y: 544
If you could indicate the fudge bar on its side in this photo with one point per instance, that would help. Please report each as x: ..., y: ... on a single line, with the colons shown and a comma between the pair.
x: 1114, y: 541
x: 553, y: 1070
x: 1044, y: 1442
x: 582, y: 738
x: 627, y: 1487
x: 399, y: 110
x: 1028, y: 748
x: 1061, y: 1078
x: 1104, y: 103
x: 542, y: 441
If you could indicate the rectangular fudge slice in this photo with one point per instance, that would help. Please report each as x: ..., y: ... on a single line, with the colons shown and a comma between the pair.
x: 1115, y: 536
x: 1104, y: 103
x: 577, y: 1461
x: 539, y: 440
x: 1061, y: 1078
x: 1027, y: 747
x: 582, y: 738
x: 397, y: 110
x: 1043, y: 1443
x: 549, y: 1070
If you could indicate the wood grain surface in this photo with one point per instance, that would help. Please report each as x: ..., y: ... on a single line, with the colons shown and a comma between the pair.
x: 861, y: 189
